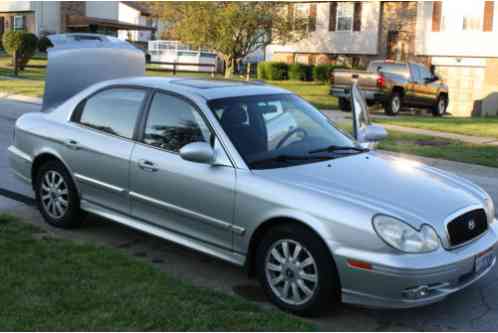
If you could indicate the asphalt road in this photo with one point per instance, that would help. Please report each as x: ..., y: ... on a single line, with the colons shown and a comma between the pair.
x: 473, y: 309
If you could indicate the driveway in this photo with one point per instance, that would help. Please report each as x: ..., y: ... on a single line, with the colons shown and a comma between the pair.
x: 475, y: 308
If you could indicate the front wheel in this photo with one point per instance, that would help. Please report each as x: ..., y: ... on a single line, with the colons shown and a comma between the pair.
x: 297, y: 271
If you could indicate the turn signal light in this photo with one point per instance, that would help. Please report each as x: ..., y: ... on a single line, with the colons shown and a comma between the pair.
x: 359, y: 264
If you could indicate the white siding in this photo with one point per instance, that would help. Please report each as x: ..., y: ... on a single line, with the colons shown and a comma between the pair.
x: 129, y: 15
x: 453, y: 41
x: 14, y: 6
x: 324, y: 41
x: 103, y: 9
x: 47, y: 17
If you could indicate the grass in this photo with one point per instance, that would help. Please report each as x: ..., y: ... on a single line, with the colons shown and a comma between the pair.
x: 429, y: 146
x: 50, y: 284
x: 487, y: 127
x: 31, y: 82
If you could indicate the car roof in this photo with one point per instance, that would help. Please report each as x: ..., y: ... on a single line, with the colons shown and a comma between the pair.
x: 208, y: 89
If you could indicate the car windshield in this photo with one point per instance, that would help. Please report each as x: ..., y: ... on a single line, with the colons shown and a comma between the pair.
x: 272, y: 131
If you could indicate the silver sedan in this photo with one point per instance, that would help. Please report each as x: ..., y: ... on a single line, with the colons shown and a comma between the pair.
x: 258, y: 177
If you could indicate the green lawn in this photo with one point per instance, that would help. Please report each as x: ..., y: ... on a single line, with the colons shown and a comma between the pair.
x: 50, y: 284
x: 31, y: 82
x: 429, y: 146
x: 487, y: 127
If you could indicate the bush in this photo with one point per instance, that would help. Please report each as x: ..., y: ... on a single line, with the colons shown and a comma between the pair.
x: 323, y: 72
x: 24, y: 44
x: 270, y: 70
x: 44, y: 44
x: 300, y: 72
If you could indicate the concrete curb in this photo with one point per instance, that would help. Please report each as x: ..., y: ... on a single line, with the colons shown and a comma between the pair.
x: 21, y: 98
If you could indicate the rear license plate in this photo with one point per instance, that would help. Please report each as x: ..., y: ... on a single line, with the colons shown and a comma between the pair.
x: 483, y: 261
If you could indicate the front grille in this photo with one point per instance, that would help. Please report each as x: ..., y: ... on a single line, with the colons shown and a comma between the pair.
x: 467, y: 227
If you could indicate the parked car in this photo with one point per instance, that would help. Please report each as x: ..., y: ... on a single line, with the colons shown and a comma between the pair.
x: 256, y: 176
x: 395, y: 85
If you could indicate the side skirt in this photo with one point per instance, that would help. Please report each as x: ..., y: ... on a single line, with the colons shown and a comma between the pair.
x: 226, y: 255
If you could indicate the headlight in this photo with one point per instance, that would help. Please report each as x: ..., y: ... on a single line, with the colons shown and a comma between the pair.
x: 403, y: 237
x: 490, y: 210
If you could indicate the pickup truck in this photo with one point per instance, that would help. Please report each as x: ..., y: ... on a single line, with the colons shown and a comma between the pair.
x: 396, y: 85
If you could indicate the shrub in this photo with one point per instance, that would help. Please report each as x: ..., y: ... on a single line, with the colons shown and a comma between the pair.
x: 270, y: 70
x: 23, y: 44
x: 323, y: 72
x: 44, y: 44
x: 300, y: 72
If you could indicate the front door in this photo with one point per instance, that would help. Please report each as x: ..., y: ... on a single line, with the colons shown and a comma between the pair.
x: 99, y: 145
x: 192, y: 199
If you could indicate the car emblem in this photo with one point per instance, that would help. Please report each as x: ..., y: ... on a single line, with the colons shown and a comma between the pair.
x: 471, y: 225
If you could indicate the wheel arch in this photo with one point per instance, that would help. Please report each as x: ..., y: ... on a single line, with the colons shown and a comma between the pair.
x: 45, y: 156
x: 263, y: 228
x: 399, y: 90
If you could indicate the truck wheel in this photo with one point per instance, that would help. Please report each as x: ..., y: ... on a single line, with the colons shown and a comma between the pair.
x: 344, y: 104
x: 439, y: 109
x: 393, y: 104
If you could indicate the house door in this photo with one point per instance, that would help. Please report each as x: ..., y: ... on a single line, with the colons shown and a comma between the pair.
x: 397, y: 45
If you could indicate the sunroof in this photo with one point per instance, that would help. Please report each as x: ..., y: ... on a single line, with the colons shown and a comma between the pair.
x: 206, y: 84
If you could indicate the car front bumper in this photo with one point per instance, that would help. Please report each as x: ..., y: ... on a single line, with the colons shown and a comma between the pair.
x: 393, y: 277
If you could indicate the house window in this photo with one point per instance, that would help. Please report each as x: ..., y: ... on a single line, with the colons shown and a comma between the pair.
x: 459, y: 16
x: 305, y: 13
x: 18, y: 23
x: 345, y: 16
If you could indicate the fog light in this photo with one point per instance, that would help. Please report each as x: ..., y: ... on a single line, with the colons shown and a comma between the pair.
x: 416, y: 293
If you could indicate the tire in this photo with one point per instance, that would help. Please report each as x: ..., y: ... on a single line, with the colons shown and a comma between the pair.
x: 344, y: 104
x: 393, y: 104
x: 439, y: 109
x: 321, y: 267
x: 57, y: 197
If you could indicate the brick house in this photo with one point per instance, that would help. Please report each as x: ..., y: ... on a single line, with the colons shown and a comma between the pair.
x: 456, y: 37
x: 126, y: 20
x: 352, y: 32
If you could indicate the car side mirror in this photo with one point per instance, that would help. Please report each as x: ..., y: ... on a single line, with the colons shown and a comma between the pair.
x: 199, y: 152
x: 374, y: 133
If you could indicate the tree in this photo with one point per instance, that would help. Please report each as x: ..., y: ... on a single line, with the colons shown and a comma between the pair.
x: 21, y: 46
x: 233, y: 29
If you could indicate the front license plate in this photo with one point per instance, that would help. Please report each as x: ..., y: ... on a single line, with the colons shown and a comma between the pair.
x: 483, y: 261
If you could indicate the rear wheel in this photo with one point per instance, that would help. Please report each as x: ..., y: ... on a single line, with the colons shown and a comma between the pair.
x: 57, y: 197
x: 439, y: 109
x: 393, y: 104
x: 297, y: 271
x: 344, y: 104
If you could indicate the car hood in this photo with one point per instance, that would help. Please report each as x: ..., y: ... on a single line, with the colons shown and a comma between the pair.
x: 409, y: 190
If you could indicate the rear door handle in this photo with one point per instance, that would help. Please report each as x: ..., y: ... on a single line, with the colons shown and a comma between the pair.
x: 72, y: 144
x: 147, y: 166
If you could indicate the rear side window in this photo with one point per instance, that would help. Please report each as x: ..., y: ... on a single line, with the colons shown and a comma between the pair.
x: 114, y: 111
x: 173, y: 123
x: 398, y: 69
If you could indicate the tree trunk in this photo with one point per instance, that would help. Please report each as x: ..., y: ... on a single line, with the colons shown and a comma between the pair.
x: 229, y: 66
x: 15, y: 62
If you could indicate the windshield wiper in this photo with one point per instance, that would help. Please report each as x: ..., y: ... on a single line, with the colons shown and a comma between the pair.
x: 288, y: 159
x: 334, y: 148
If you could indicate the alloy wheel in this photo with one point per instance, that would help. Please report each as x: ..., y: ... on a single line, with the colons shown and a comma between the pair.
x: 291, y: 272
x: 441, y: 107
x: 54, y: 194
x: 396, y: 104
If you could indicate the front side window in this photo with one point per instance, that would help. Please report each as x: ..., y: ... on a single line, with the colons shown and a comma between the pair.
x: 279, y: 130
x: 173, y: 123
x: 114, y: 111
x: 345, y: 14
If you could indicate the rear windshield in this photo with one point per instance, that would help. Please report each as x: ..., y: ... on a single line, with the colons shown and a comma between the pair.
x: 399, y: 69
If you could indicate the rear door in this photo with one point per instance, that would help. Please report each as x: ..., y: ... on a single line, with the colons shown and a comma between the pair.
x: 189, y: 198
x: 100, y: 143
x: 413, y: 93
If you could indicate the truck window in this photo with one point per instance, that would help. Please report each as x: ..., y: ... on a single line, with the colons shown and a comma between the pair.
x: 398, y: 69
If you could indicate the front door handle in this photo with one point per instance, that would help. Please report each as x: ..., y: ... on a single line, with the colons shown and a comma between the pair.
x: 147, y: 166
x: 72, y: 144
